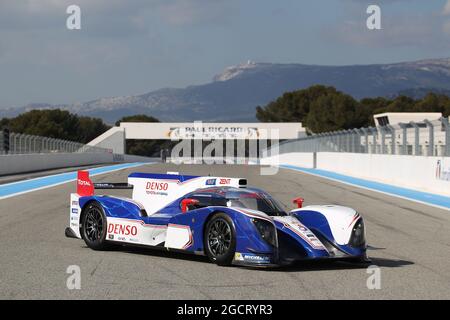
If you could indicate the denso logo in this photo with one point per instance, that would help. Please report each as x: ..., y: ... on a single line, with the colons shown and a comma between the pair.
x: 225, y: 181
x: 125, y: 230
x: 83, y: 183
x: 157, y: 186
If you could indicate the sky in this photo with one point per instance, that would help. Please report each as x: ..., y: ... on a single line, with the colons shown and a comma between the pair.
x: 128, y: 47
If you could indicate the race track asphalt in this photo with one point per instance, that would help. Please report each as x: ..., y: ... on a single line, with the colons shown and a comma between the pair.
x: 410, y: 243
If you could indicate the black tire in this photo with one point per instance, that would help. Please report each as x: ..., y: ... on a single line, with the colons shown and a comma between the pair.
x: 94, y: 226
x: 220, y: 239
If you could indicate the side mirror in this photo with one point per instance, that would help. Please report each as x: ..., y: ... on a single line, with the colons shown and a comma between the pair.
x: 188, y: 202
x: 298, y: 202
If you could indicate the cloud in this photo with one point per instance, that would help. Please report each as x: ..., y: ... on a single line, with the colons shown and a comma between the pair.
x: 34, y: 14
x: 188, y: 12
x: 446, y: 9
x: 406, y: 28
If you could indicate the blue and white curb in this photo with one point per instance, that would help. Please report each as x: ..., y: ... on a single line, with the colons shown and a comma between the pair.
x: 20, y: 187
x: 430, y: 199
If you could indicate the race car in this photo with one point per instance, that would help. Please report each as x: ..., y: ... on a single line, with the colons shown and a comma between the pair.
x: 220, y: 217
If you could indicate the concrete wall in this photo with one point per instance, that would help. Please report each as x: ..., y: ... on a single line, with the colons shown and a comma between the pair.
x: 419, y: 173
x: 113, y: 139
x: 427, y: 174
x: 11, y: 164
x: 301, y: 159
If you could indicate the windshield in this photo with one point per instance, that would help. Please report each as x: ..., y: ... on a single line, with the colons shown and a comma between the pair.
x: 255, y: 200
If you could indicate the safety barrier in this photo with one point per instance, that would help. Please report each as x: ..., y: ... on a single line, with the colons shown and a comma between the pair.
x: 427, y: 138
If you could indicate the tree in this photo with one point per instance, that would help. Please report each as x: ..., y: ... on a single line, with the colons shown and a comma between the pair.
x: 400, y: 104
x: 292, y: 106
x: 56, y: 123
x: 149, y: 148
x: 4, y: 122
x: 137, y: 118
x: 90, y: 128
x: 433, y: 103
x: 320, y: 108
x: 371, y: 106
x: 333, y: 112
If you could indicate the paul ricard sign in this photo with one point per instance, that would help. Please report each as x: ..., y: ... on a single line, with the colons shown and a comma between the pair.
x: 211, y: 131
x: 214, y: 132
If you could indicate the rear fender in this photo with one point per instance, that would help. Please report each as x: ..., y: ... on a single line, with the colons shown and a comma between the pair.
x: 115, y: 207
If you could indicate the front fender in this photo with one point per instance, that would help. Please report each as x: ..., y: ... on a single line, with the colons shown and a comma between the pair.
x: 333, y: 225
x: 248, y: 240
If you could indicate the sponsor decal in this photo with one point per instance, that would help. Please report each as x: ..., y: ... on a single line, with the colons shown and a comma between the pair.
x: 157, y: 188
x: 255, y: 258
x: 111, y: 237
x: 74, y: 203
x: 304, y: 233
x: 75, y: 210
x: 211, y: 182
x: 238, y: 256
x: 224, y: 181
x: 118, y: 157
x: 442, y: 172
x: 122, y: 229
x: 84, y: 183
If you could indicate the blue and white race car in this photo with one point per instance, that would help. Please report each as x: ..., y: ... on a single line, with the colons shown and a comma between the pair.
x: 218, y: 217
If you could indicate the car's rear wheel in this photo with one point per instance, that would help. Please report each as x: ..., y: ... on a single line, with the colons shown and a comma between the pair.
x: 94, y: 226
x: 220, y: 239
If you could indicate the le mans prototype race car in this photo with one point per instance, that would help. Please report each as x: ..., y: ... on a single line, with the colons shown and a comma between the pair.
x: 218, y: 217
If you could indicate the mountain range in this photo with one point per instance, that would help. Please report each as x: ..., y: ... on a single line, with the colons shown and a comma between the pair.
x: 232, y: 95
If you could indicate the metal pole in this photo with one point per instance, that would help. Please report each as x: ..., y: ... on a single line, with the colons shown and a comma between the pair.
x: 393, y: 138
x: 365, y: 131
x: 416, y: 138
x: 383, y: 140
x: 374, y: 132
x: 404, y: 149
x: 446, y: 126
x: 430, y: 138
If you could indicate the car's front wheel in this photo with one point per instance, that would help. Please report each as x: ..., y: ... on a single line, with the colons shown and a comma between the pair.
x: 220, y: 239
x: 93, y: 226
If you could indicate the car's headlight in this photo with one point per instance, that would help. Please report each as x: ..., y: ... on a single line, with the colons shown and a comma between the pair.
x: 358, y: 236
x: 266, y: 230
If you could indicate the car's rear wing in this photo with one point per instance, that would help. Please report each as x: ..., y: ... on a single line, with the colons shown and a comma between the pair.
x: 85, y: 187
x: 112, y: 185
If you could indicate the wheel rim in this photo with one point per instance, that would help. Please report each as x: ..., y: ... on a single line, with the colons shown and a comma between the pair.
x: 219, y: 237
x: 94, y: 224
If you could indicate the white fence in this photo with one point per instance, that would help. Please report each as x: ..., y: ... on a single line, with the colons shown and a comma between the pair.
x: 427, y: 138
x: 29, y: 144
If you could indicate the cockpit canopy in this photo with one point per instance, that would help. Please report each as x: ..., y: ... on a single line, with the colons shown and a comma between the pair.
x: 248, y: 198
